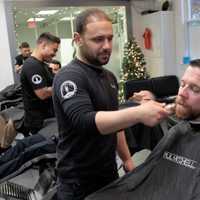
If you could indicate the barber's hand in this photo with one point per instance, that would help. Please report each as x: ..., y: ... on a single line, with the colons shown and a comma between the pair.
x: 171, y: 108
x: 142, y: 96
x: 152, y: 112
x: 128, y: 165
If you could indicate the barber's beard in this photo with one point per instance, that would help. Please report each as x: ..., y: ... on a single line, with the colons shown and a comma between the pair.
x: 47, y: 59
x: 104, y: 56
x: 99, y: 59
x: 94, y: 61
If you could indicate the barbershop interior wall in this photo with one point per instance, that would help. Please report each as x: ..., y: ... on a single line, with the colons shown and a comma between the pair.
x: 6, y: 75
x: 180, y: 17
x: 179, y: 9
x: 160, y: 60
x: 194, y: 33
x: 136, y: 8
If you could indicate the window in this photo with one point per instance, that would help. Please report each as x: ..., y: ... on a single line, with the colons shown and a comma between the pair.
x: 31, y: 22
x: 194, y: 9
x: 193, y: 27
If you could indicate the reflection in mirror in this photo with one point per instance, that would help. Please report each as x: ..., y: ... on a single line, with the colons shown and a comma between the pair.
x: 31, y: 22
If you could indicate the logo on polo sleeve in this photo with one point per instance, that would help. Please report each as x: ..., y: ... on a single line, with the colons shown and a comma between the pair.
x: 68, y: 89
x: 36, y: 79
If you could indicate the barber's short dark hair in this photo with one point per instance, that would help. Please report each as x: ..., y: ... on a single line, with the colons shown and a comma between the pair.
x: 56, y: 62
x: 24, y: 45
x: 48, y: 37
x: 195, y: 63
x: 84, y: 18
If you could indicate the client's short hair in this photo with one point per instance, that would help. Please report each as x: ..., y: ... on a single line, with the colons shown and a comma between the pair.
x: 195, y: 63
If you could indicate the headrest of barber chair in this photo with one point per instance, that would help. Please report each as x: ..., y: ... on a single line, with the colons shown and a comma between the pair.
x: 162, y: 87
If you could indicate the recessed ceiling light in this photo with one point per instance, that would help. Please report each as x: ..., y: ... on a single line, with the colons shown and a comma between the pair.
x: 77, y: 12
x: 35, y: 19
x: 47, y: 12
x: 66, y: 18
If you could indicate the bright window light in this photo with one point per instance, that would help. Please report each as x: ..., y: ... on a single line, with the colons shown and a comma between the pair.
x: 77, y: 12
x: 35, y: 19
x: 47, y: 12
x: 66, y: 18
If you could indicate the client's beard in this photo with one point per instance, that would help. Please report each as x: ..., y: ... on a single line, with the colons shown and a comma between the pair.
x: 183, y: 111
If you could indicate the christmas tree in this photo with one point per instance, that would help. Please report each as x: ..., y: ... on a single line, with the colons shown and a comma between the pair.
x: 133, y: 66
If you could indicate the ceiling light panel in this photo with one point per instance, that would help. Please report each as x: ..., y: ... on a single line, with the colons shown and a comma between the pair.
x: 37, y: 19
x: 66, y: 18
x: 47, y: 12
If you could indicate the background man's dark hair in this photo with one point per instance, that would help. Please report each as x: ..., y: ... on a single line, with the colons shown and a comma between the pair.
x: 56, y: 62
x: 85, y: 17
x: 24, y: 45
x: 195, y: 63
x: 48, y: 37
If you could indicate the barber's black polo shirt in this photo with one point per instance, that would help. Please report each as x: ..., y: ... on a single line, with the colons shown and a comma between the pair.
x: 79, y: 92
x: 35, y: 75
x: 19, y: 60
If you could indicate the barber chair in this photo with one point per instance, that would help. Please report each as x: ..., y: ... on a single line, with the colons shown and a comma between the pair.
x: 165, y: 88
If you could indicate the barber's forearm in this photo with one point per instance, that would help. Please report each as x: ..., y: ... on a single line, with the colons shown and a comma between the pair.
x: 48, y: 92
x: 44, y: 93
x: 122, y: 147
x: 123, y: 151
x: 18, y: 68
x: 149, y: 113
x: 112, y: 121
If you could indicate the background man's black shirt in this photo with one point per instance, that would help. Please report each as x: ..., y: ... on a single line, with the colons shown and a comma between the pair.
x: 35, y: 75
x: 20, y: 59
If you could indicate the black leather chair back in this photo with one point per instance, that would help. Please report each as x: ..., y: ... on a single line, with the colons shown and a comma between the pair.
x: 162, y: 87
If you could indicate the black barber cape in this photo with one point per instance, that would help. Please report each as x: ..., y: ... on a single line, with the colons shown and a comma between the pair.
x: 171, y: 172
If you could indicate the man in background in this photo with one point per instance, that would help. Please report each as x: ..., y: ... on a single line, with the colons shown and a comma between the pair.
x: 36, y: 83
x: 25, y: 53
x: 54, y: 67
